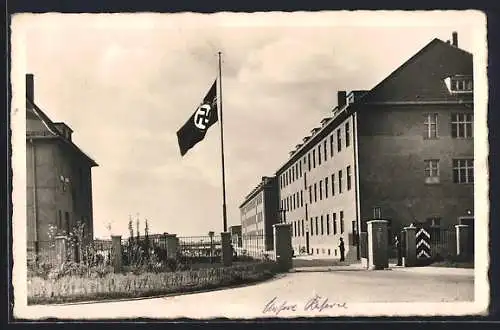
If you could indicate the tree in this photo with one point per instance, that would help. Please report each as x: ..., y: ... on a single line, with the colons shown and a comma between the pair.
x: 146, y: 237
x: 137, y: 227
x: 130, y: 229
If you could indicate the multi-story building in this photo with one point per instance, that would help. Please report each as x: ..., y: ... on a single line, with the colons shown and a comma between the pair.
x: 414, y: 139
x: 259, y: 212
x: 402, y: 152
x: 317, y: 185
x: 59, y: 180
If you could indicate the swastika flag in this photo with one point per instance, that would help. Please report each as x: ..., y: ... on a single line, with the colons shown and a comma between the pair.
x: 196, y: 127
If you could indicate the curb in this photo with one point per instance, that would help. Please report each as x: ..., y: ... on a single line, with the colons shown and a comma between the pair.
x: 429, y: 270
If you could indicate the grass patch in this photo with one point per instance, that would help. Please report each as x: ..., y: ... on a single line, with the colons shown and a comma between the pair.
x: 68, y: 289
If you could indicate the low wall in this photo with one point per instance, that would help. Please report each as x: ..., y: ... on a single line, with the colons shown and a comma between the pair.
x: 75, y: 288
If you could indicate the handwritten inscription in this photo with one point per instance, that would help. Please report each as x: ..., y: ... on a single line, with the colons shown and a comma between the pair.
x: 275, y: 307
x: 316, y: 303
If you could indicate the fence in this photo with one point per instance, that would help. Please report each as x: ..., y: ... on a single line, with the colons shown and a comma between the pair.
x: 199, y: 249
x: 155, y: 252
x: 443, y: 242
x: 255, y: 247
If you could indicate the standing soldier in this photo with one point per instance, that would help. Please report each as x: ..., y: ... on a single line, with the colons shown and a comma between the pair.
x: 342, y: 249
x: 397, y: 244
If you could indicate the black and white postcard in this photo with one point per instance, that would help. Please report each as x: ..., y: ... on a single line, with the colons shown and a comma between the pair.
x: 249, y: 165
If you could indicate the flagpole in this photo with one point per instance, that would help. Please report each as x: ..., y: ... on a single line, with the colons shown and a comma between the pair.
x: 224, y: 215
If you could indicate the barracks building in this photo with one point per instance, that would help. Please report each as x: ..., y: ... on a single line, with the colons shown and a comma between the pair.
x: 402, y: 152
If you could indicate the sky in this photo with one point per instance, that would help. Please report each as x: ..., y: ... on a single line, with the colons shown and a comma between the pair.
x: 125, y: 83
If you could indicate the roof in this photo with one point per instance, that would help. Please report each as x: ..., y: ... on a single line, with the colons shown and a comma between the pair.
x: 265, y: 180
x: 51, y: 126
x: 364, y: 97
x: 435, y: 42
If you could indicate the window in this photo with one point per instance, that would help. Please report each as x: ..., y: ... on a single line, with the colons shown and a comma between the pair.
x: 292, y: 177
x: 331, y: 145
x: 80, y: 178
x: 319, y: 154
x: 300, y: 168
x: 315, y: 193
x: 431, y: 171
x: 334, y: 223
x: 326, y: 187
x: 340, y: 181
x: 312, y: 228
x: 59, y: 220
x: 314, y: 158
x: 302, y: 227
x: 461, y: 125
x: 463, y: 170
x: 322, y: 226
x: 341, y: 222
x: 339, y: 140
x: 316, y: 225
x: 461, y: 84
x: 348, y: 177
x: 297, y: 170
x: 309, y: 160
x: 333, y: 184
x: 320, y: 190
x: 310, y: 195
x: 431, y: 125
x: 301, y: 198
x: 347, y: 137
x: 328, y: 224
x: 377, y: 213
x: 324, y: 150
x: 293, y: 205
x: 66, y: 216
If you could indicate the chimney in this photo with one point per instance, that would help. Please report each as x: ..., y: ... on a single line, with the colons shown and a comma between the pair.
x: 455, y: 39
x: 341, y: 98
x: 30, y: 87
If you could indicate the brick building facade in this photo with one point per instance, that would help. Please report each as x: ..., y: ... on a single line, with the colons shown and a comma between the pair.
x: 402, y: 151
x: 59, y: 179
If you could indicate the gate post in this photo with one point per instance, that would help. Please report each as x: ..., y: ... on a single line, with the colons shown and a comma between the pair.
x: 116, y: 242
x: 61, y: 250
x: 172, y: 245
x: 283, y: 246
x: 462, y: 240
x: 227, y: 252
x: 410, y: 253
x: 377, y: 244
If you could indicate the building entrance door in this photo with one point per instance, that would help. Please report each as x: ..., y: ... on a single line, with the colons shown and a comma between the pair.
x: 307, y: 242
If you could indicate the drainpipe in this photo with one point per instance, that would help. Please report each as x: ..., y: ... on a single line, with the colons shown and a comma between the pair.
x: 356, y: 183
x: 35, y: 202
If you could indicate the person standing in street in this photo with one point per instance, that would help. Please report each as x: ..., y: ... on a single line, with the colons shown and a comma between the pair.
x: 342, y: 249
x: 397, y: 244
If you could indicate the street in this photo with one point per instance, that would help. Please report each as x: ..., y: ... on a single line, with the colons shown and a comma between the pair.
x: 305, y: 291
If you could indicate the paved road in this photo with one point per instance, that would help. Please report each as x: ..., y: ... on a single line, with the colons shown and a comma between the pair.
x: 348, y: 285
